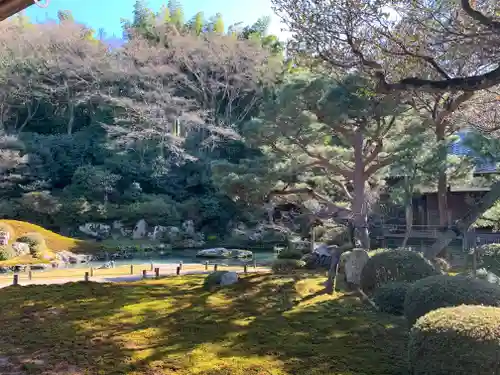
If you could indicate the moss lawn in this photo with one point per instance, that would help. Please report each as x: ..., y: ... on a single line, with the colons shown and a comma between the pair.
x: 266, y: 324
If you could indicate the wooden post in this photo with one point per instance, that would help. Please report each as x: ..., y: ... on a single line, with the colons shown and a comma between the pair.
x: 131, y: 269
x: 215, y: 267
x: 178, y: 270
x: 15, y: 281
x: 157, y: 272
x: 245, y: 268
x: 152, y: 266
x: 86, y: 276
x: 91, y: 271
x: 144, y: 273
x: 30, y: 275
x: 255, y: 264
x: 206, y: 265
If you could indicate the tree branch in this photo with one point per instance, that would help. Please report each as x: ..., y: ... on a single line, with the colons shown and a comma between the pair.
x: 480, y: 17
x: 472, y: 83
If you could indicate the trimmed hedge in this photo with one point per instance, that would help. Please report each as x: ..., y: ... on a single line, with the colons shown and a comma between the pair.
x: 395, y: 265
x: 287, y: 265
x: 446, y: 291
x: 390, y: 297
x: 461, y: 340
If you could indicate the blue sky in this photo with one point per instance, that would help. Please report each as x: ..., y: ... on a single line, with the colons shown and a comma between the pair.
x: 106, y: 14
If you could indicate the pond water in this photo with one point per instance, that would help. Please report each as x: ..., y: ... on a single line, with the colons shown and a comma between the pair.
x: 187, y: 257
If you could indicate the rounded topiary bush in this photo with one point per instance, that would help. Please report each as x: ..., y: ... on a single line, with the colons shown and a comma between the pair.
x: 460, y: 340
x: 395, y: 265
x: 390, y: 297
x: 445, y: 291
x: 287, y: 265
x: 290, y: 254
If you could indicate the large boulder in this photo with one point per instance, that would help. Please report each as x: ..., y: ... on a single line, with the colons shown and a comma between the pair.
x: 21, y: 248
x: 188, y: 227
x: 140, y: 230
x: 95, y: 229
x: 354, y: 265
x: 222, y: 252
x: 220, y: 278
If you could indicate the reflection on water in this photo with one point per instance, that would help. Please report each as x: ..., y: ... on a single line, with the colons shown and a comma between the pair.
x: 185, y: 256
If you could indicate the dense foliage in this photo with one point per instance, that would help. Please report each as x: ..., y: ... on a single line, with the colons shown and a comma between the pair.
x: 194, y: 120
x: 395, y: 265
x: 471, y: 333
x: 390, y: 297
x: 444, y: 291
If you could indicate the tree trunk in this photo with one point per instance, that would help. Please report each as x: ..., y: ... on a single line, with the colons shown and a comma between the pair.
x: 461, y: 226
x: 359, y: 204
x: 409, y: 222
x: 333, y: 271
x: 442, y: 186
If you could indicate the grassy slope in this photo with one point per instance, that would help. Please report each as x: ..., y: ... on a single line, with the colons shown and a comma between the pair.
x: 55, y: 242
x: 264, y: 325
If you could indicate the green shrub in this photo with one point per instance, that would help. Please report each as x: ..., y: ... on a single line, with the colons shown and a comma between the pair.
x: 446, y: 291
x: 7, y: 252
x: 459, y: 340
x: 290, y: 254
x: 395, y: 265
x: 390, y: 297
x: 287, y: 265
x: 489, y: 257
x: 36, y: 243
x: 32, y: 239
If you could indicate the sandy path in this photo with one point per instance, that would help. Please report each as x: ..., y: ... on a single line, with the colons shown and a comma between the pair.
x: 165, y: 270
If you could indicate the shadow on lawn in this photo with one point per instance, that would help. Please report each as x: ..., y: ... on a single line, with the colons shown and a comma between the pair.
x: 159, y: 329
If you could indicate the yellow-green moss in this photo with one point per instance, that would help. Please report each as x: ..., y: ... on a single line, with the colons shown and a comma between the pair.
x: 265, y: 324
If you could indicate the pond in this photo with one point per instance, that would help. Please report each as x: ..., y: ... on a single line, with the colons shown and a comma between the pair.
x: 187, y: 257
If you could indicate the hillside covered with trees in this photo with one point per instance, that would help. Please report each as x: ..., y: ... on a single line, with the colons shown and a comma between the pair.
x: 192, y: 119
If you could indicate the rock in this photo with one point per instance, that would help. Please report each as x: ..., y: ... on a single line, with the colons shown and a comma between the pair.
x: 354, y: 265
x: 39, y: 267
x: 95, y: 229
x: 343, y: 260
x: 218, y: 252
x: 157, y: 232
x: 21, y: 248
x: 4, y: 238
x: 140, y: 230
x: 188, y: 227
x: 229, y: 278
x: 221, y: 252
x: 238, y: 253
x: 322, y: 249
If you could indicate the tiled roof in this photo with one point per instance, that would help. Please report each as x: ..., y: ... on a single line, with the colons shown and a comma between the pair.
x: 483, y: 166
